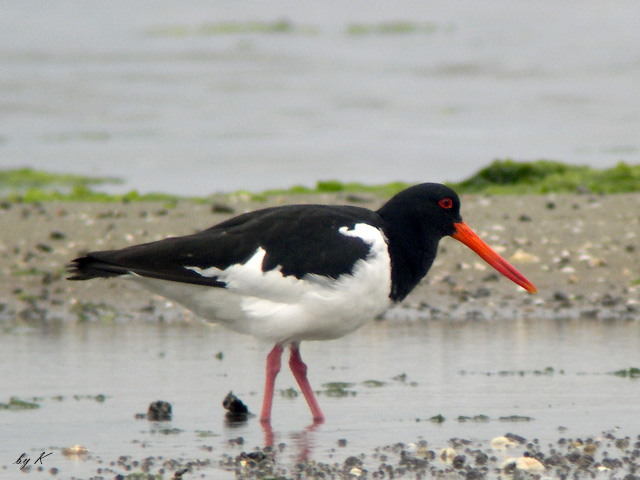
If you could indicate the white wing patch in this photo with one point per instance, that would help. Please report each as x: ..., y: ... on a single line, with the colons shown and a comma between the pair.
x: 249, y: 279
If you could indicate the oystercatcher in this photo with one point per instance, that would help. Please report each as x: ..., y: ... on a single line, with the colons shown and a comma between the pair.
x: 300, y: 272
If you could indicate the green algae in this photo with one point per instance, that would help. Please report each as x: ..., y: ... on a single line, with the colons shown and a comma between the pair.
x: 338, y: 389
x: 546, y: 176
x: 631, y: 372
x: 397, y: 27
x: 85, y: 194
x: 21, y: 178
x: 481, y: 418
x: 26, y: 185
x: 285, y: 26
x: 87, y: 311
x: 16, y: 403
x: 289, y: 393
x: 501, y: 177
x: 336, y: 186
x: 437, y: 418
x: 516, y: 418
x: 278, y: 26
x: 373, y: 383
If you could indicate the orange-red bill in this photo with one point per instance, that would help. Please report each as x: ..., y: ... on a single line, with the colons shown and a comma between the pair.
x: 467, y: 236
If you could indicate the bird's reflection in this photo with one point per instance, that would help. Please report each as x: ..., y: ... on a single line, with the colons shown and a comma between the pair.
x: 303, y: 440
x: 233, y: 421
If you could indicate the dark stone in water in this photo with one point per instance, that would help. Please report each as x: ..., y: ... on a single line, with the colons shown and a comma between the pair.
x: 255, y: 456
x: 159, y: 411
x: 516, y: 438
x: 458, y: 461
x: 236, y: 409
x: 474, y: 474
x: 179, y: 473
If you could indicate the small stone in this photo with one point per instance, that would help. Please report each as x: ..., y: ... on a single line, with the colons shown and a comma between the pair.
x: 524, y: 257
x: 221, y: 208
x: 159, y: 411
x: 43, y: 247
x: 502, y: 443
x: 529, y: 464
x: 237, y: 411
x: 355, y: 472
x: 482, y: 292
x: 458, y: 461
x: 74, y: 451
x: 516, y: 438
x: 447, y: 455
x: 596, y: 262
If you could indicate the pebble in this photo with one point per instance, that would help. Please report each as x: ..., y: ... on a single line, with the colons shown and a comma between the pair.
x: 523, y: 257
x: 447, y: 455
x: 159, y: 411
x: 75, y: 451
x: 402, y: 461
x: 502, y: 443
x: 237, y: 411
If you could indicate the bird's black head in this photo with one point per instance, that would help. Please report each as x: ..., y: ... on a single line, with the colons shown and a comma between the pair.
x: 429, y: 208
x: 415, y: 220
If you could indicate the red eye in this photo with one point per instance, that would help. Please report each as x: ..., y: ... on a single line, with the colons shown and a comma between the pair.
x: 446, y: 203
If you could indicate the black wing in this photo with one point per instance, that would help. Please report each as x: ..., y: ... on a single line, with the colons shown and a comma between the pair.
x: 300, y: 239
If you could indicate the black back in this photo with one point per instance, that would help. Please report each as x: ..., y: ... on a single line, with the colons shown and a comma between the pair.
x: 300, y: 239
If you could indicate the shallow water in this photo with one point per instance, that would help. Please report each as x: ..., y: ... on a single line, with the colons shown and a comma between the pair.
x: 426, y: 368
x: 146, y: 94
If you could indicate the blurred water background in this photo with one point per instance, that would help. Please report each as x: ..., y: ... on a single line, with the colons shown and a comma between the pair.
x: 202, y: 96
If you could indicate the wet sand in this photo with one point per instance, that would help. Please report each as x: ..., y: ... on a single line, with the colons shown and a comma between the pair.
x: 396, y: 394
x: 581, y: 251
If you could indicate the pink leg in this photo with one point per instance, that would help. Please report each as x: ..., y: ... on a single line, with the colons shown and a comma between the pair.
x: 299, y: 370
x: 273, y: 367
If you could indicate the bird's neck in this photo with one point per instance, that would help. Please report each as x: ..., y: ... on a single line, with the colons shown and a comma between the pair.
x: 412, y: 254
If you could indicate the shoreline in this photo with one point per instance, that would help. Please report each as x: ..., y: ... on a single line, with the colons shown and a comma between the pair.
x: 580, y: 250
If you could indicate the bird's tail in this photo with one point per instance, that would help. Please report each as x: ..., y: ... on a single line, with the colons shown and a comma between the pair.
x: 86, y: 268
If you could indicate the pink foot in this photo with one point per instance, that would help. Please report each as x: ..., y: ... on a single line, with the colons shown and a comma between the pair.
x: 273, y: 367
x: 299, y: 370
